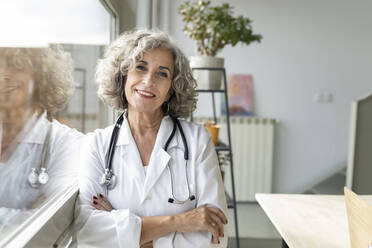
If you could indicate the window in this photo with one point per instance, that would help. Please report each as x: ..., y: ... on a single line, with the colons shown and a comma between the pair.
x: 30, y: 90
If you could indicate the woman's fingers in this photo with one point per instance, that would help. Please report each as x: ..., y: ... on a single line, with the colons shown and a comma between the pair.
x: 214, y: 239
x: 203, y: 218
x: 212, y: 227
x: 97, y: 206
x: 101, y: 203
x: 219, y: 213
x: 104, y: 202
x: 219, y: 224
x: 218, y: 220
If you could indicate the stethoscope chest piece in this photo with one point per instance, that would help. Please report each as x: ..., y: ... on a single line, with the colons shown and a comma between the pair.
x: 43, y: 176
x: 35, y: 179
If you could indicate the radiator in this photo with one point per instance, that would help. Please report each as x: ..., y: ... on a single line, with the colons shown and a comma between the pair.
x: 253, y: 149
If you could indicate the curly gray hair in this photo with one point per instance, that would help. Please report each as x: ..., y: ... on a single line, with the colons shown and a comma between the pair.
x: 121, y: 57
x: 52, y: 70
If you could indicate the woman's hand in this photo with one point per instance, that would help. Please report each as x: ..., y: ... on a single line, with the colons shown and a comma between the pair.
x: 101, y: 203
x: 203, y: 218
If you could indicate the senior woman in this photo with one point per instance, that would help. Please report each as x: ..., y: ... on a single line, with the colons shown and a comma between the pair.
x: 166, y: 189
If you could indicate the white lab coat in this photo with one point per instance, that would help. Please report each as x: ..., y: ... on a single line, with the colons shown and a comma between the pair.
x: 16, y: 195
x: 137, y: 194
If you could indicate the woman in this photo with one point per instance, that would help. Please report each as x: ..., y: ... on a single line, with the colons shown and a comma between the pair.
x: 158, y: 199
x: 36, y: 152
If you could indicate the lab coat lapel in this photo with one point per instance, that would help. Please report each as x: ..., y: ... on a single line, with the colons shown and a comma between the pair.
x: 130, y: 155
x: 159, y: 157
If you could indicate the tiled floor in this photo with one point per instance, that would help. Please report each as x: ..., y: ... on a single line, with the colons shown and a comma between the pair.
x: 255, y: 229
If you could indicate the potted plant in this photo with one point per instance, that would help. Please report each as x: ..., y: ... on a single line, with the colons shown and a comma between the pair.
x: 213, y: 28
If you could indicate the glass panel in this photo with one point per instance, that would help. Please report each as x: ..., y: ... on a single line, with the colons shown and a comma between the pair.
x: 82, y: 111
x: 48, y: 53
x: 39, y: 23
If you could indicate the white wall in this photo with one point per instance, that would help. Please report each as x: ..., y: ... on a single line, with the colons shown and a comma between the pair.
x: 308, y: 47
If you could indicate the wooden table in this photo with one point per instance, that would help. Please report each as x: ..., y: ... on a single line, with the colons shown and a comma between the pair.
x: 309, y: 220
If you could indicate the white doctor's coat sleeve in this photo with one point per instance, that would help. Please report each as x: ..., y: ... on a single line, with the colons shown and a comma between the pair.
x: 209, y: 191
x: 96, y: 228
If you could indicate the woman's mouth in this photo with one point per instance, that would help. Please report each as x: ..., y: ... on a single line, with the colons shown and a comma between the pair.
x: 145, y: 94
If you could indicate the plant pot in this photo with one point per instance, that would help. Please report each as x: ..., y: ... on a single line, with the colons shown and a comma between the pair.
x: 213, y: 130
x: 207, y: 79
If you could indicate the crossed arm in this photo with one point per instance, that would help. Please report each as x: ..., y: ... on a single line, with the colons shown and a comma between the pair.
x: 202, y: 218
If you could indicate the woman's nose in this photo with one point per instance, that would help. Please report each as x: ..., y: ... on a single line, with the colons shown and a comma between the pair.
x: 149, y: 79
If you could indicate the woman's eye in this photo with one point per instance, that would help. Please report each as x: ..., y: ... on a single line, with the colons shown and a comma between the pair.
x: 140, y: 67
x: 163, y: 74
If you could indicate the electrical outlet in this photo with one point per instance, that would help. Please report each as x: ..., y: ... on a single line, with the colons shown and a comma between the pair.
x: 321, y: 97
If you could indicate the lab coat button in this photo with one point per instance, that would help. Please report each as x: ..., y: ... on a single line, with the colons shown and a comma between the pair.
x: 148, y: 198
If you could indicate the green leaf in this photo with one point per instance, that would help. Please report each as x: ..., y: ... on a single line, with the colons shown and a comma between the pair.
x: 214, y: 27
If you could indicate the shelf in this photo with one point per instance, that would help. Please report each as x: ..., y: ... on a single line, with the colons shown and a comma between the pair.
x: 222, y: 69
x: 222, y: 147
x: 229, y: 200
x: 210, y: 91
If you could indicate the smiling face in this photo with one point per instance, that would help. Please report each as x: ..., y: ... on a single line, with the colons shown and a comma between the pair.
x: 148, y: 84
x: 15, y: 94
x: 14, y: 88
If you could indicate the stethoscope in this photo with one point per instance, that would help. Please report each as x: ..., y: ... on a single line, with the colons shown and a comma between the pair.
x: 108, y: 178
x: 39, y: 175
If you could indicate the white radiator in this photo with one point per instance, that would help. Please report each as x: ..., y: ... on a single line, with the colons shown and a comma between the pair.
x: 253, y: 149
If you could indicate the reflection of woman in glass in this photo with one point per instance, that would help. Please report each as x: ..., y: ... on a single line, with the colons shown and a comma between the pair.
x: 35, y: 150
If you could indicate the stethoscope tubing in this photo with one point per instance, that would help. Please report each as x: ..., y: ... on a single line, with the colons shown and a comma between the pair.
x: 108, y: 177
